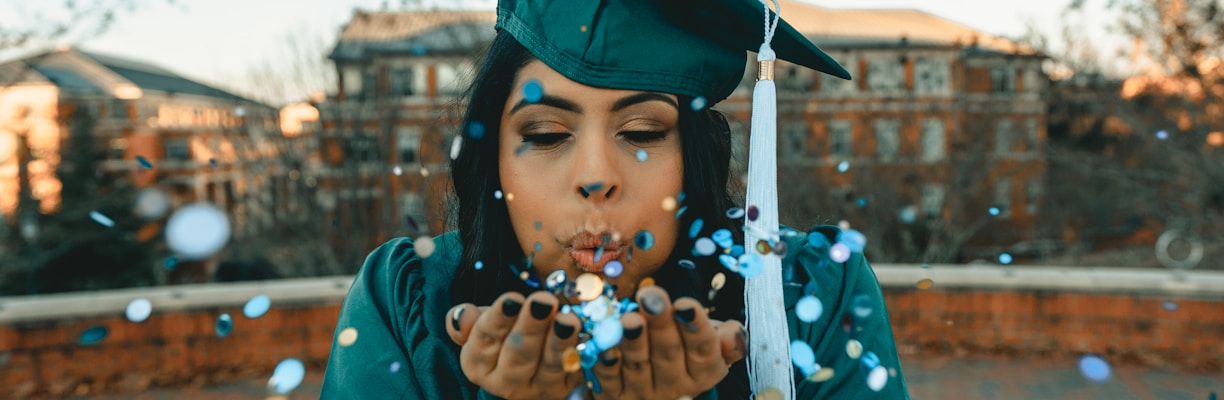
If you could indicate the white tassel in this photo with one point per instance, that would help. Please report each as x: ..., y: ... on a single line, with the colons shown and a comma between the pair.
x: 769, y: 364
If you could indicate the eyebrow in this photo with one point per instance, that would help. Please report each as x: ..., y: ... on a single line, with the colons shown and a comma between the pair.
x: 625, y: 102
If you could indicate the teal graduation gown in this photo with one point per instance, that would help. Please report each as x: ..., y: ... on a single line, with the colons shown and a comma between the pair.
x: 398, y: 304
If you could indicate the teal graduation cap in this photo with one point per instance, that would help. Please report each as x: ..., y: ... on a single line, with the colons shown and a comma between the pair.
x: 695, y: 48
x: 685, y: 47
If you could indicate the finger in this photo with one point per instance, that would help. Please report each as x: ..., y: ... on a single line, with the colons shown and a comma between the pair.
x: 459, y: 321
x: 702, y: 353
x: 636, y: 371
x: 560, y: 340
x: 520, y: 354
x: 732, y: 340
x: 666, y: 347
x: 480, y: 352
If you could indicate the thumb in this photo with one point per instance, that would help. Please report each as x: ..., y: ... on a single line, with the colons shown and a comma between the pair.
x: 459, y: 321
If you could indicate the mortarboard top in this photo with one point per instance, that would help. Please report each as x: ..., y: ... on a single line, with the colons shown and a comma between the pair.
x: 686, y: 47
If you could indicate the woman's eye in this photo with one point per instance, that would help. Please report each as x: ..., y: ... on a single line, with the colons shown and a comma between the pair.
x: 644, y: 136
x: 544, y: 139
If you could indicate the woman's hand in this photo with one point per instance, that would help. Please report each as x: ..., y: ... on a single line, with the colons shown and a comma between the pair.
x: 513, y: 349
x: 669, y: 351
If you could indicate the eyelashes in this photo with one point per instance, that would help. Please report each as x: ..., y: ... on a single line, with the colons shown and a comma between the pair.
x: 548, y: 140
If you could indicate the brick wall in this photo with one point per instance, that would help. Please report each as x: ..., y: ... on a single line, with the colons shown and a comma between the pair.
x: 40, y: 355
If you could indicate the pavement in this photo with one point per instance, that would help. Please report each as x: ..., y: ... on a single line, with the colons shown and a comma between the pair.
x: 939, y: 377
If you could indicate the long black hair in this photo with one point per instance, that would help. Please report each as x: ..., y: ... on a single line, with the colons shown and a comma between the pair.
x: 483, y: 221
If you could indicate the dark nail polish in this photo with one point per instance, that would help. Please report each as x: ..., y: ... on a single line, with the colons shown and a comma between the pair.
x: 540, y: 310
x: 455, y: 319
x: 609, y: 361
x: 510, y: 308
x: 633, y: 333
x: 685, y: 317
x: 563, y: 331
x: 653, y: 304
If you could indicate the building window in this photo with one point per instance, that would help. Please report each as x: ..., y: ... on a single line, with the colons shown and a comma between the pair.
x: 408, y: 145
x: 352, y: 82
x: 1004, y: 140
x: 931, y: 76
x: 1032, y: 79
x: 177, y: 149
x: 117, y: 149
x: 795, y: 78
x: 885, y: 75
x: 1034, y: 137
x: 360, y: 148
x: 1003, y: 79
x: 448, y: 79
x: 932, y: 200
x: 933, y: 140
x: 1002, y: 196
x: 888, y: 139
x: 1033, y: 190
x: 401, y: 82
x: 835, y: 86
x: 841, y: 139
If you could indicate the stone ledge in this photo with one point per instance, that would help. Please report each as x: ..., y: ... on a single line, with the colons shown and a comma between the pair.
x: 293, y: 292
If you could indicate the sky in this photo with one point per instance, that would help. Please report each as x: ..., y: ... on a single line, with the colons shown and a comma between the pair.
x: 222, y: 41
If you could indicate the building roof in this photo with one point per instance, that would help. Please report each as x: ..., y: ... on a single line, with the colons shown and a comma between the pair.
x: 80, y: 71
x: 839, y: 28
x: 416, y: 32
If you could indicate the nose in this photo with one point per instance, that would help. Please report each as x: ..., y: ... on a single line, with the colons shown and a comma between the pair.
x: 597, y: 178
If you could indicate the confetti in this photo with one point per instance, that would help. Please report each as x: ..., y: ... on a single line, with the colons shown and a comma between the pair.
x: 397, y: 170
x: 861, y: 306
x: 588, y: 286
x: 1005, y: 258
x: 608, y: 333
x: 877, y: 378
x: 669, y: 204
x: 750, y: 265
x: 196, y: 232
x: 424, y: 246
x: 839, y: 253
x: 256, y: 306
x: 101, y: 219
x: 853, y: 239
x: 1169, y: 306
x: 924, y: 284
x: 843, y: 166
x: 695, y: 228
x: 1162, y: 134
x: 497, y: 195
x: 152, y: 203
x: 817, y: 240
x: 723, y: 238
x: 641, y: 155
x: 718, y: 281
x: 753, y: 213
x: 144, y: 162
x: 170, y: 262
x: 224, y: 325
x: 479, y: 265
x: 1094, y: 368
x: 613, y: 268
x: 803, y: 357
x: 419, y: 49
x: 735, y: 213
x: 687, y: 264
x: 93, y: 335
x: 570, y: 360
x: 287, y: 375
x: 821, y: 375
x: 809, y: 308
x: 138, y: 310
x: 347, y: 337
x: 555, y: 280
x: 698, y: 103
x: 395, y: 367
x: 854, y: 349
x: 532, y: 91
x: 475, y: 130
x: 456, y: 146
x: 644, y: 240
x: 994, y: 211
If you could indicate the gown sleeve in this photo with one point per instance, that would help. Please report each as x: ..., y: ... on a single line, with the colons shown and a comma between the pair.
x: 853, y: 310
x: 397, y: 304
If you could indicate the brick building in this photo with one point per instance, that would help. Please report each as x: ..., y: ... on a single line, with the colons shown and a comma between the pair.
x: 940, y: 124
x: 193, y: 141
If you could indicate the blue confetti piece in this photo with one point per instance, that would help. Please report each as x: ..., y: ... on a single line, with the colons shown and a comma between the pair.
x: 170, y: 262
x: 101, y: 219
x: 853, y: 239
x: 144, y: 162
x: 599, y: 253
x: 735, y: 213
x: 93, y: 335
x: 475, y: 130
x: 681, y: 211
x: 644, y: 240
x: 613, y: 268
x: 695, y: 228
x: 737, y: 250
x: 704, y: 247
x: 287, y: 375
x: 994, y: 211
x: 843, y: 166
x: 1094, y: 368
x: 532, y: 91
x: 817, y: 240
x: 419, y: 49
x: 803, y: 357
x: 1005, y: 258
x: 861, y: 202
x: 687, y: 264
x: 809, y: 309
x: 698, y: 103
x: 861, y: 306
x: 751, y: 265
x: 257, y: 306
x: 723, y: 238
x: 479, y: 265
x: 224, y: 325
x: 1162, y: 134
x: 641, y: 155
x: 729, y: 262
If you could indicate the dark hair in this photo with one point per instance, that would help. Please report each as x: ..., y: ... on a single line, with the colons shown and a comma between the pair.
x: 483, y: 221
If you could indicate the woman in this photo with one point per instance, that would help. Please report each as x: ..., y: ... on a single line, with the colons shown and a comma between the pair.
x: 589, y: 150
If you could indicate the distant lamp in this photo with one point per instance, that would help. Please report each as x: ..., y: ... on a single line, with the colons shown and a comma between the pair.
x: 126, y: 91
x: 1214, y: 139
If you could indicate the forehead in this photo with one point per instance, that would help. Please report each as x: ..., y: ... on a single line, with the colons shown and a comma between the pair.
x: 539, y: 76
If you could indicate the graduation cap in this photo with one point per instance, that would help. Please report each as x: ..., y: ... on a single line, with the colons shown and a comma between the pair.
x: 695, y: 48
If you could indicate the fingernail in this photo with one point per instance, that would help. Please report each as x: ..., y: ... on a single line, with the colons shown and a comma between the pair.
x: 540, y: 310
x: 633, y: 333
x: 563, y: 331
x: 511, y: 308
x: 685, y: 317
x: 609, y: 361
x: 455, y: 319
x: 653, y: 303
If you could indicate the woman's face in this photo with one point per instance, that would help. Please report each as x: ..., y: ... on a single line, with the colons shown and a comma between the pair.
x: 584, y: 170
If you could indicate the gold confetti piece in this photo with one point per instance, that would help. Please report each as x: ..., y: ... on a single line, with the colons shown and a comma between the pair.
x: 821, y: 375
x: 646, y: 282
x: 719, y: 281
x: 854, y: 349
x: 588, y: 286
x: 763, y: 247
x: 347, y: 337
x: 769, y: 394
x: 924, y: 284
x: 669, y: 204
